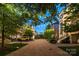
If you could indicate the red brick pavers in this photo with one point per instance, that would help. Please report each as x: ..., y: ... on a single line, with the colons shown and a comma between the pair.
x: 39, y: 47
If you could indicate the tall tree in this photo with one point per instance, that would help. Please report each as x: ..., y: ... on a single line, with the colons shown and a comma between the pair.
x: 10, y: 20
x: 13, y: 16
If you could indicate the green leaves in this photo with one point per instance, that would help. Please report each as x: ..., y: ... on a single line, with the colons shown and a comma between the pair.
x: 17, y: 15
x: 73, y: 12
x: 28, y: 32
x: 49, y: 34
x: 10, y: 18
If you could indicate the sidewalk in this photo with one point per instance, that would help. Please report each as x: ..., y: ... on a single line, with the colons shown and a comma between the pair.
x: 39, y: 47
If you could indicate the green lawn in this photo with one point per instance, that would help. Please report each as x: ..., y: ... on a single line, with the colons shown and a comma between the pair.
x: 11, y: 47
x: 72, y: 50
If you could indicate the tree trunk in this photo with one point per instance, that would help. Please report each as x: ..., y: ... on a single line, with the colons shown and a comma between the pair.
x: 3, y: 37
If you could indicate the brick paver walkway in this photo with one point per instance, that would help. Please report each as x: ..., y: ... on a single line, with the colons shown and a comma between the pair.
x: 39, y: 47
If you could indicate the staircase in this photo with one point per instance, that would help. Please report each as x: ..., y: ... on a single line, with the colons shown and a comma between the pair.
x: 62, y: 38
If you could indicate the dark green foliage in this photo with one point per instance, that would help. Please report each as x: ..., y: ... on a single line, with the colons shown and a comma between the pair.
x: 49, y: 35
x: 28, y: 32
x: 73, y: 9
x: 10, y: 48
x: 71, y: 28
x: 48, y: 26
x: 13, y: 16
x: 72, y: 50
x: 10, y: 20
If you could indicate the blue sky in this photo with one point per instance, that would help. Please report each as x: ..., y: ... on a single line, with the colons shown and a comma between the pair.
x: 41, y: 28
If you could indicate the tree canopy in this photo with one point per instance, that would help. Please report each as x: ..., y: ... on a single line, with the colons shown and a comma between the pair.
x: 13, y: 16
x: 73, y: 11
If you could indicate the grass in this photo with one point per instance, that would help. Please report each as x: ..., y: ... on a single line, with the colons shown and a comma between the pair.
x: 72, y: 50
x: 10, y: 48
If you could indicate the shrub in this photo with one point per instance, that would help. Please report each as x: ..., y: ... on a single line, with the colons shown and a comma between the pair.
x: 49, y: 35
x: 28, y: 33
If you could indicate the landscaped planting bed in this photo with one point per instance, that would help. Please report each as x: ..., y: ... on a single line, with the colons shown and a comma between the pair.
x: 10, y: 48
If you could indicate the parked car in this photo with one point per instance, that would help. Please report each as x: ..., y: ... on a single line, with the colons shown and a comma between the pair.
x: 25, y: 38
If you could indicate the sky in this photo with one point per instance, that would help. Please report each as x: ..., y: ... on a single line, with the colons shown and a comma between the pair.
x: 41, y: 28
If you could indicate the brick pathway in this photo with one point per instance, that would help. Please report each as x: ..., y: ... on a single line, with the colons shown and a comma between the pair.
x: 39, y: 47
